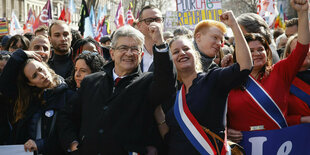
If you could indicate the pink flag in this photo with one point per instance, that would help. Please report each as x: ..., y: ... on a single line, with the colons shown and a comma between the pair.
x: 28, y: 27
x: 130, y: 18
x: 44, y: 15
x: 119, y: 18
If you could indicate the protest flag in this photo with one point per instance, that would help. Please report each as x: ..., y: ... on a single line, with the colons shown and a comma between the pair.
x: 44, y: 16
x: 84, y: 13
x: 119, y: 17
x: 130, y: 18
x: 15, y: 26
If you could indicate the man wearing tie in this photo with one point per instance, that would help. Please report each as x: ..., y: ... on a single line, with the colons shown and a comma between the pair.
x: 112, y: 116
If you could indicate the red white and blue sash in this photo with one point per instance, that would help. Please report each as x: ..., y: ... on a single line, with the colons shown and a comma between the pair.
x: 301, y: 90
x: 133, y: 153
x: 190, y: 127
x: 263, y: 100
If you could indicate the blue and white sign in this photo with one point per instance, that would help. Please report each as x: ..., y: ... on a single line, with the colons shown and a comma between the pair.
x: 286, y: 141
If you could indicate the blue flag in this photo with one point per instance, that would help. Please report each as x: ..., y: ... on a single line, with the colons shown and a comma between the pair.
x: 92, y: 16
x: 89, y: 31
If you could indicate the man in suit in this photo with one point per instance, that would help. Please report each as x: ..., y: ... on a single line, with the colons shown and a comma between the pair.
x: 147, y: 15
x: 113, y: 110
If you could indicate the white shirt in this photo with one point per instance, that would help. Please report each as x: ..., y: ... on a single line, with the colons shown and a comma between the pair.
x: 147, y: 60
x: 115, y: 75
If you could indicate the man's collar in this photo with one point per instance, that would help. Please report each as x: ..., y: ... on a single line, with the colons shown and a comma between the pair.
x: 109, y: 69
x: 115, y: 75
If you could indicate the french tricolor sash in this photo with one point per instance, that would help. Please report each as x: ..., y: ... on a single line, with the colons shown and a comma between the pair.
x: 133, y: 153
x: 190, y: 126
x: 263, y: 100
x: 301, y: 90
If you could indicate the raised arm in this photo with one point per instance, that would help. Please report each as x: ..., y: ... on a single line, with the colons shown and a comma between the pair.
x: 164, y: 82
x: 8, y: 78
x: 243, y: 54
x: 302, y: 6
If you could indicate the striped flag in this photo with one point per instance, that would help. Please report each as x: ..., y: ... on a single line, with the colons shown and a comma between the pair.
x: 130, y: 18
x: 119, y: 18
x: 280, y: 19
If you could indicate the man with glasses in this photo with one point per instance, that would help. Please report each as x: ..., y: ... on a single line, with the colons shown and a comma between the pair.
x: 113, y: 110
x: 148, y: 15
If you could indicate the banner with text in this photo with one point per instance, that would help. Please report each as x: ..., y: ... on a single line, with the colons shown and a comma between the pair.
x: 191, y: 12
x: 290, y: 140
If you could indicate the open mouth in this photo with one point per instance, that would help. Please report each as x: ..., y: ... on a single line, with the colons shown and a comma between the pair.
x: 183, y: 59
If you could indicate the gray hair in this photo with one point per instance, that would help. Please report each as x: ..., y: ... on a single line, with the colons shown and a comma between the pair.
x: 253, y: 23
x: 128, y: 31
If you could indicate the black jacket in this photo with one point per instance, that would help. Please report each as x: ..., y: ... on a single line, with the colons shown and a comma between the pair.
x: 26, y: 128
x: 117, y: 120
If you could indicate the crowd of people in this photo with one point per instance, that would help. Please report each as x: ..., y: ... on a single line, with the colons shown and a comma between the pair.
x: 146, y: 91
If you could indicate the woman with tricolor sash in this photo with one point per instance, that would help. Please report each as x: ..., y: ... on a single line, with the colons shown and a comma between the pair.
x: 197, y: 118
x: 261, y: 103
x: 299, y: 98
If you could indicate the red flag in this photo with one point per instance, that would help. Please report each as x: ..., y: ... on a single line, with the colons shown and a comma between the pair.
x: 44, y: 15
x: 119, y: 18
x: 65, y: 15
x: 130, y: 17
x: 62, y: 14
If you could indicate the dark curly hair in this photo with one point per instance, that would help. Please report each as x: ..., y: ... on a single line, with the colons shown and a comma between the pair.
x: 92, y: 59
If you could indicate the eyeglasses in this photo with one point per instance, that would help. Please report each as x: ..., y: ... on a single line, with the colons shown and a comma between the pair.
x: 124, y: 48
x: 148, y: 21
x: 89, y: 52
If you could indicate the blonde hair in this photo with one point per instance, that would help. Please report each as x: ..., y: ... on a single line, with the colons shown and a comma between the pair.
x: 205, y: 24
x: 197, y: 61
x: 287, y: 50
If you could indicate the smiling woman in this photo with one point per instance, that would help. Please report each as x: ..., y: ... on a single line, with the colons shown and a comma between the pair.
x: 203, y: 96
x: 262, y: 102
x: 38, y: 94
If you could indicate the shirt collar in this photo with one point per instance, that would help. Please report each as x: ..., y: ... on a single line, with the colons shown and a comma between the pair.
x: 115, y: 75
